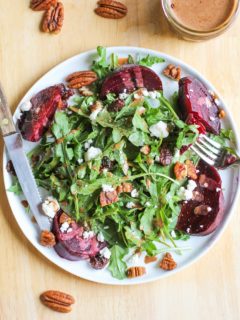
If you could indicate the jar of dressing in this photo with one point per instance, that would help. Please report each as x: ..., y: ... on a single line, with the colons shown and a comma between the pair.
x: 200, y: 19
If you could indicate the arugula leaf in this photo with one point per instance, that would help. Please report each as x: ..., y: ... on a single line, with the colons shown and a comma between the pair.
x: 101, y: 65
x: 150, y: 60
x: 139, y: 123
x: 15, y: 188
x: 61, y: 127
x: 146, y: 222
x: 117, y: 265
x: 137, y: 138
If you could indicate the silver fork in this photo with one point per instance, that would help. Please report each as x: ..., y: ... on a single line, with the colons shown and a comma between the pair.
x: 214, y: 153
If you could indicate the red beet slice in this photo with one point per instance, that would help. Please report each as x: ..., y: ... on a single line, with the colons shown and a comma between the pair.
x: 190, y: 221
x: 71, y: 245
x: 35, y: 122
x: 129, y: 78
x: 197, y: 105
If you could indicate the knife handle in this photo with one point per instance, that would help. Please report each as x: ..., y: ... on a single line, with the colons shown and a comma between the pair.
x: 6, y: 121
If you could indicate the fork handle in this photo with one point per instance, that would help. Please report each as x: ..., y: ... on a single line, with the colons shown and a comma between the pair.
x: 6, y: 122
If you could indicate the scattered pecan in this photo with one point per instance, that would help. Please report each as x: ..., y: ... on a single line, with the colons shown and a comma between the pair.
x: 180, y: 171
x: 111, y: 9
x: 116, y: 105
x: 168, y: 262
x: 125, y: 187
x: 10, y: 168
x: 145, y: 149
x: 134, y: 272
x: 57, y: 300
x: 24, y: 203
x: 47, y: 239
x: 222, y: 114
x: 148, y: 183
x: 202, y: 210
x: 158, y: 223
x: 33, y: 219
x: 191, y: 169
x: 107, y: 198
x: 53, y: 19
x: 64, y: 218
x: 80, y: 79
x: 122, y: 61
x: 149, y: 161
x: 149, y: 259
x: 172, y: 72
x: 42, y: 5
x: 165, y: 157
x: 96, y: 106
x: 98, y: 262
x: 85, y: 91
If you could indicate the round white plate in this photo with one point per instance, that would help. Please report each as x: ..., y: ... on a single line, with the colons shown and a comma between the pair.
x: 200, y: 245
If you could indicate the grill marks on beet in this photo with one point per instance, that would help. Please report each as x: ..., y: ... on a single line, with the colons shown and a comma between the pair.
x: 35, y: 122
x: 197, y: 106
x: 209, y: 188
x: 129, y: 78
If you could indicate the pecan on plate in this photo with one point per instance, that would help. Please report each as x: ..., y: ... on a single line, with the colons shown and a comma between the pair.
x: 134, y: 272
x: 111, y: 9
x: 168, y: 262
x: 47, y: 239
x: 149, y: 259
x: 180, y: 171
x: 172, y: 72
x: 221, y: 114
x: 107, y: 198
x: 53, y: 19
x: 80, y: 79
x: 10, y: 168
x: 57, y: 300
x: 191, y: 169
x: 42, y: 5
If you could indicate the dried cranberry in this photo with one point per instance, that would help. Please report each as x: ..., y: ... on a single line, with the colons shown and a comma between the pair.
x: 107, y: 163
x: 10, y: 168
x: 165, y: 156
x: 98, y: 262
x: 116, y: 106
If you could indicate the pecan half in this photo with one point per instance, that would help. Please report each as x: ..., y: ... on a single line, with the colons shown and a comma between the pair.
x: 180, y: 171
x: 107, y: 198
x: 111, y: 9
x: 145, y: 149
x: 222, y: 114
x: 47, y: 239
x: 25, y: 203
x: 57, y: 300
x: 134, y: 272
x: 125, y: 187
x: 64, y: 218
x: 149, y: 259
x: 191, y: 169
x: 172, y: 72
x: 42, y: 5
x: 168, y: 262
x: 53, y: 19
x: 80, y: 79
x: 202, y: 210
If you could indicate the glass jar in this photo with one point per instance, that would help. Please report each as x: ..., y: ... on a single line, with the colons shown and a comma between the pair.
x: 197, y: 35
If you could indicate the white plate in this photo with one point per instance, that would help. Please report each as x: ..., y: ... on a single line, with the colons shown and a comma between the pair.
x: 200, y: 245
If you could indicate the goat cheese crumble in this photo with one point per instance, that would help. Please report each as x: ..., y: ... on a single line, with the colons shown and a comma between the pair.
x: 106, y: 253
x: 159, y: 129
x: 92, y: 153
x: 50, y: 207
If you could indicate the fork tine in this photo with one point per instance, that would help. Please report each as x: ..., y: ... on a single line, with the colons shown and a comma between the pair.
x: 210, y: 147
x: 202, y: 155
x: 206, y: 151
x: 213, y: 143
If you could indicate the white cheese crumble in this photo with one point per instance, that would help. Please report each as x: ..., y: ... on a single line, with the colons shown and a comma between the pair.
x: 141, y: 110
x: 88, y: 234
x: 145, y: 92
x: 18, y: 114
x: 218, y: 189
x: 106, y: 253
x: 159, y: 130
x: 100, y: 237
x: 123, y: 95
x: 136, y: 96
x: 187, y: 193
x: 88, y: 143
x: 26, y: 106
x: 134, y: 193
x: 130, y: 205
x: 107, y: 188
x: 64, y: 227
x: 94, y: 114
x: 50, y: 207
x: 209, y: 209
x: 80, y: 161
x: 154, y: 94
x: 147, y: 204
x: 69, y: 230
x: 134, y: 259
x: 212, y: 118
x: 92, y: 153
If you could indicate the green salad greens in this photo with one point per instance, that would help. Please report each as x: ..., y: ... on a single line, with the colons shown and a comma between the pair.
x: 82, y: 155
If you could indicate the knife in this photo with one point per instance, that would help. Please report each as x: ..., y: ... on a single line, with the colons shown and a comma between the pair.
x: 14, y: 145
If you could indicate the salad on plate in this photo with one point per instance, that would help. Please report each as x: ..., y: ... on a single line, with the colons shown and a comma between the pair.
x: 114, y: 156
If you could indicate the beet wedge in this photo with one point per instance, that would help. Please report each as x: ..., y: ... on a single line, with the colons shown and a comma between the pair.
x: 35, y: 122
x: 197, y: 106
x: 202, y: 215
x: 129, y: 78
x: 71, y: 245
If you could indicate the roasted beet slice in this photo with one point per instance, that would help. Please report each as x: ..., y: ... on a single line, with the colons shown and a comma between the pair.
x: 202, y: 215
x: 197, y: 106
x: 35, y: 122
x: 129, y: 78
x: 71, y: 245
